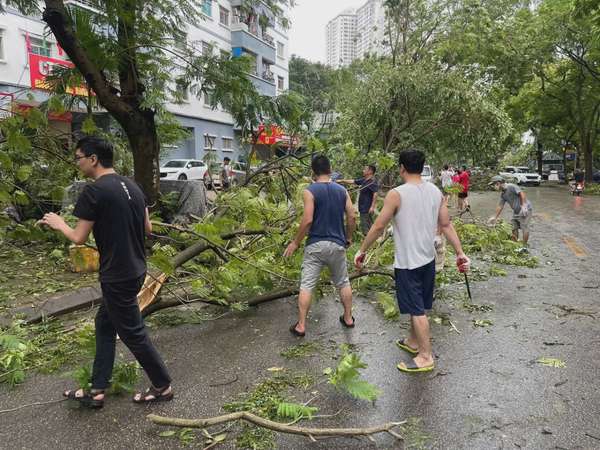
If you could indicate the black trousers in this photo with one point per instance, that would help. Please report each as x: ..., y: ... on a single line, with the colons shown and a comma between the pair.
x: 120, y: 313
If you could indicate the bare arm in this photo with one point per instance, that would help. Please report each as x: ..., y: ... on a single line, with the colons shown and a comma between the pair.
x: 350, y: 219
x: 522, y: 198
x: 77, y: 235
x: 373, y: 203
x: 147, y: 223
x: 390, y: 206
x: 445, y: 225
x: 305, y: 223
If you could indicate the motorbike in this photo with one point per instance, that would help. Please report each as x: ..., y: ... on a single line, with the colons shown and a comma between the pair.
x: 577, y: 189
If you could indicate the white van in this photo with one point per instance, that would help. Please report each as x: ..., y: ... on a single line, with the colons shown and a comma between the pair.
x: 427, y: 174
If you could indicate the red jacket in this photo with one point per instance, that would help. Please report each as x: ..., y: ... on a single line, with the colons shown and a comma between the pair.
x: 463, y: 179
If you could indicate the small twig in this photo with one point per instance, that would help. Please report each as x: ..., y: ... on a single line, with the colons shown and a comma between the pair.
x: 32, y: 404
x: 592, y: 436
x: 226, y: 383
x: 454, y: 327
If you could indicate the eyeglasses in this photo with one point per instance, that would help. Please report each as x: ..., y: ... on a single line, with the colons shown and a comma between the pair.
x: 77, y: 158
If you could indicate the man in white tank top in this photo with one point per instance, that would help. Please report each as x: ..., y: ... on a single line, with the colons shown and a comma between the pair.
x: 415, y: 209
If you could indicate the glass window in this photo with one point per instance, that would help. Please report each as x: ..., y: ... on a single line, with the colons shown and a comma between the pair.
x: 206, y: 49
x: 280, y: 50
x: 227, y: 143
x: 40, y: 46
x: 182, y: 90
x: 224, y: 16
x: 207, y: 7
x: 209, y: 141
x: 1, y: 44
x: 175, y: 163
x: 280, y: 83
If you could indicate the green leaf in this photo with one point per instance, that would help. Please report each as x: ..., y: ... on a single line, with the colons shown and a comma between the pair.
x: 23, y: 173
x: 21, y: 198
x: 552, y: 362
x: 295, y: 411
x: 163, y: 263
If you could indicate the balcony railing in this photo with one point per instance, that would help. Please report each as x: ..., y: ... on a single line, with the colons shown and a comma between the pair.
x: 268, y: 39
x: 267, y: 75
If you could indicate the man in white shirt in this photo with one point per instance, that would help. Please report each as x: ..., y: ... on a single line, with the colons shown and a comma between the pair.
x: 416, y: 210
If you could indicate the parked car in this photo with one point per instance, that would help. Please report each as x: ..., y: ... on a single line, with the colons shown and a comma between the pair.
x: 183, y: 169
x: 212, y: 178
x: 596, y: 177
x: 521, y: 175
x: 427, y: 174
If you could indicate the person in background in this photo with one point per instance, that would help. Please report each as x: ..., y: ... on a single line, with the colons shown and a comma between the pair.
x: 446, y: 179
x: 367, y: 198
x: 226, y: 174
x: 463, y: 197
x: 325, y: 205
x: 521, y: 206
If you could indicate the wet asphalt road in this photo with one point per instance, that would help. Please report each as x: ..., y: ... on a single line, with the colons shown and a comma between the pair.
x: 487, y: 391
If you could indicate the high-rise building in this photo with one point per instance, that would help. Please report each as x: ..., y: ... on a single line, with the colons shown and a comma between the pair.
x: 354, y: 34
x: 28, y: 50
x: 370, y: 29
x: 341, y: 39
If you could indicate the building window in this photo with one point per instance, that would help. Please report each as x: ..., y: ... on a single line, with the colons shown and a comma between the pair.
x: 280, y: 50
x: 207, y: 7
x: 1, y: 45
x: 227, y: 144
x: 280, y: 83
x: 209, y: 99
x: 40, y: 46
x: 206, y: 49
x: 224, y: 16
x: 209, y: 142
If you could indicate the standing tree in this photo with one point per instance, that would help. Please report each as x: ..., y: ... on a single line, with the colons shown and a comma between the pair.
x: 133, y: 54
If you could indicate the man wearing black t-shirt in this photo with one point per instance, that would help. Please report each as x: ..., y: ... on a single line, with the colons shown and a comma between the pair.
x: 114, y: 208
x: 367, y: 198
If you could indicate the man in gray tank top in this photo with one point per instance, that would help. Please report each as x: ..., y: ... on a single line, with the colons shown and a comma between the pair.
x: 416, y: 209
x: 325, y: 204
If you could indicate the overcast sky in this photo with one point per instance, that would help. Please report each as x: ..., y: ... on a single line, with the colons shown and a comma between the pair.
x: 309, y: 17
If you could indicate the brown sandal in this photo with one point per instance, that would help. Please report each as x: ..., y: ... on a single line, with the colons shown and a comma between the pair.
x: 155, y: 394
x: 87, y: 399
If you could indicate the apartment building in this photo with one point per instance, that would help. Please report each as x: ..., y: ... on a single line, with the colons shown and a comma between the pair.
x: 28, y: 50
x: 341, y: 39
x: 353, y: 34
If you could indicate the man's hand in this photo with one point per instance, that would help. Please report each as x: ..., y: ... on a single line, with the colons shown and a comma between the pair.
x: 291, y: 248
x: 359, y: 259
x: 524, y: 210
x: 53, y: 220
x: 463, y: 263
x: 371, y: 210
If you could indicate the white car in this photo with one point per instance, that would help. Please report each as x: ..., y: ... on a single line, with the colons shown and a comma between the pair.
x: 427, y: 174
x: 183, y: 169
x: 521, y: 175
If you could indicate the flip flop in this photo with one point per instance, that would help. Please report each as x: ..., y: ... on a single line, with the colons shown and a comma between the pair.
x: 411, y: 367
x: 296, y: 332
x: 413, y: 351
x: 345, y: 324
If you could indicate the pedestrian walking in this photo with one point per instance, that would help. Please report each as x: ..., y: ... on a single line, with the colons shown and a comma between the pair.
x: 464, y: 179
x: 325, y: 204
x: 367, y: 197
x: 517, y: 200
x: 114, y: 208
x: 446, y: 179
x: 416, y: 210
x: 226, y: 174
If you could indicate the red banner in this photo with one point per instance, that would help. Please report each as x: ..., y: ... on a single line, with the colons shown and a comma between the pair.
x: 41, y: 66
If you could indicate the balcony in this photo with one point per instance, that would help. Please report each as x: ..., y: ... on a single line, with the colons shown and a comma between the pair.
x: 242, y: 38
x: 264, y: 87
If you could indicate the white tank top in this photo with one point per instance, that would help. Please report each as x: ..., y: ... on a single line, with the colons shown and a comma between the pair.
x: 415, y: 225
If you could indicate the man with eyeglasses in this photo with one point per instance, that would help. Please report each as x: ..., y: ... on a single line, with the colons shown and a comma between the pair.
x: 114, y: 208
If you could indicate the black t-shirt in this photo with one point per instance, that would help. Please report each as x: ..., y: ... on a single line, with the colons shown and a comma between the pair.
x: 117, y: 207
x: 367, y: 189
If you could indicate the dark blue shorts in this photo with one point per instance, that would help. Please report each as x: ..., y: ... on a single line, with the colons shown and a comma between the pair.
x: 414, y: 289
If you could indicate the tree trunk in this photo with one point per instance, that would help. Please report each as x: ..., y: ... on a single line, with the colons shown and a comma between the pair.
x: 145, y: 147
x: 588, y: 156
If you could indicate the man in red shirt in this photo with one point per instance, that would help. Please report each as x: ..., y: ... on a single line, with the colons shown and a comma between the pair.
x: 463, y: 197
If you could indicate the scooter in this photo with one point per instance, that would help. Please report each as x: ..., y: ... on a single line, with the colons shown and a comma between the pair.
x: 577, y: 189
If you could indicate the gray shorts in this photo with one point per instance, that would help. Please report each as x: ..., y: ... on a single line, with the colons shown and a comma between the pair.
x: 319, y: 255
x: 522, y: 222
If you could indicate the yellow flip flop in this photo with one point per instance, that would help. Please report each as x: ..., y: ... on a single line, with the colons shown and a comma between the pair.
x: 402, y: 345
x: 411, y: 367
